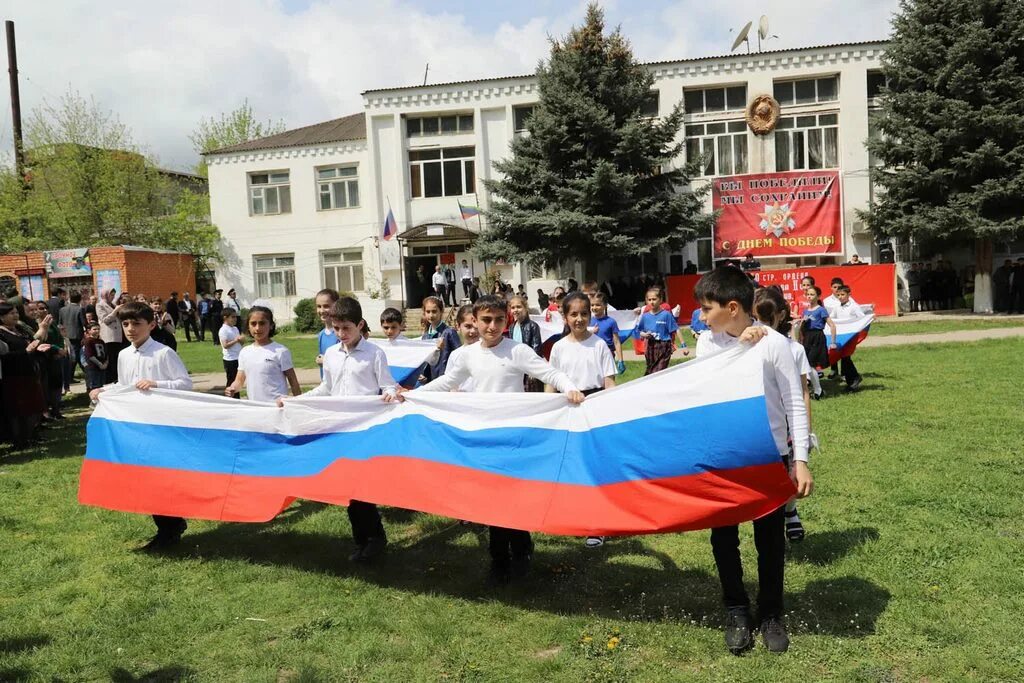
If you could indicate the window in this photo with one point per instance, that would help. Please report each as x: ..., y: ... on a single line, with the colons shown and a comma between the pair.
x: 520, y: 115
x: 269, y: 193
x: 876, y: 80
x: 440, y: 249
x: 807, y: 91
x: 447, y: 124
x: 650, y: 106
x: 723, y: 147
x: 343, y: 270
x: 704, y: 261
x: 715, y: 99
x: 448, y: 172
x: 338, y: 187
x: 807, y: 142
x: 275, y: 275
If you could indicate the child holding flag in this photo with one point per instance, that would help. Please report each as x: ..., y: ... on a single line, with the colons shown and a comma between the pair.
x: 584, y: 357
x: 847, y: 309
x: 659, y: 328
x: 497, y: 364
x: 726, y: 297
x: 447, y: 338
x: 265, y: 367
x: 147, y: 364
x: 355, y: 367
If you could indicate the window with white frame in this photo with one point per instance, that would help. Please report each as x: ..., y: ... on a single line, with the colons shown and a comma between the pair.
x: 338, y: 187
x: 448, y: 172
x: 720, y: 98
x: 807, y: 142
x: 269, y: 193
x: 722, y: 146
x: 807, y: 90
x: 876, y: 81
x: 520, y: 115
x: 343, y: 270
x: 275, y: 275
x: 444, y: 124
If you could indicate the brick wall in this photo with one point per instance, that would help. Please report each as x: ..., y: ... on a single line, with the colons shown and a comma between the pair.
x: 142, y: 272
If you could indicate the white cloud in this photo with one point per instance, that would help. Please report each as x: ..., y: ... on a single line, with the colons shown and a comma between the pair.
x: 163, y: 66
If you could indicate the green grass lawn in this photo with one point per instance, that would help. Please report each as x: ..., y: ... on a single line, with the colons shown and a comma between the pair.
x: 911, y: 570
x: 886, y: 329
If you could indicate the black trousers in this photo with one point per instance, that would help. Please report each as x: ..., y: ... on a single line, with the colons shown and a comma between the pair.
x: 770, y: 541
x: 230, y: 373
x: 113, y: 350
x: 71, y: 362
x: 365, y: 520
x: 848, y: 369
x: 466, y: 284
x: 169, y: 526
x: 189, y: 323
x: 508, y: 543
x: 206, y: 323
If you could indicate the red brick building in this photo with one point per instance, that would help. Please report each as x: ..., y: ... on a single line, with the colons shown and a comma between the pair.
x: 127, y: 269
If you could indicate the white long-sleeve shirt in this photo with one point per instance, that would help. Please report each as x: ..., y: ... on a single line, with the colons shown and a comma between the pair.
x: 497, y: 369
x: 783, y: 393
x: 851, y: 310
x: 363, y: 371
x: 152, y: 360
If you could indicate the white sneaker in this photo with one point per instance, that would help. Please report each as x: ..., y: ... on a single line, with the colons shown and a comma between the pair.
x: 595, y: 541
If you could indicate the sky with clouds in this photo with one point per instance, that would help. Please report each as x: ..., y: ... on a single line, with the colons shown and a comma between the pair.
x: 162, y: 66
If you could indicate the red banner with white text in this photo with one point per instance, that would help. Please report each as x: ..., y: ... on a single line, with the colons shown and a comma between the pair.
x: 795, y: 213
x: 874, y: 285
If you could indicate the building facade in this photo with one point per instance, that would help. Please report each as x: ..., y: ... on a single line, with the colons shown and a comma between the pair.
x: 305, y: 209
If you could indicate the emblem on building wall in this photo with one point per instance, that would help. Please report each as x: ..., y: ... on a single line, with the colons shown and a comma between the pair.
x: 763, y: 114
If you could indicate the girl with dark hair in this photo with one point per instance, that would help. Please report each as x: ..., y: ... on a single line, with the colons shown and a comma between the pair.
x: 265, y: 367
x: 447, y: 338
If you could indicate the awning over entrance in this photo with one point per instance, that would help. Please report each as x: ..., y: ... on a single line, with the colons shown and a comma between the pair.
x: 436, y: 233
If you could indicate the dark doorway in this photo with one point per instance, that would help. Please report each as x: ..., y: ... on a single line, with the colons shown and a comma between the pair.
x: 418, y: 271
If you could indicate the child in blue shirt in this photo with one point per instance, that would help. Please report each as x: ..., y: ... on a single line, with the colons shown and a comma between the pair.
x: 605, y: 327
x: 696, y: 324
x: 325, y: 299
x: 812, y: 330
x: 659, y: 328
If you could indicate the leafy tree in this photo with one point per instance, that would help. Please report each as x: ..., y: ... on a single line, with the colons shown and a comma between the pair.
x: 232, y: 128
x: 90, y: 185
x: 593, y: 178
x: 952, y: 129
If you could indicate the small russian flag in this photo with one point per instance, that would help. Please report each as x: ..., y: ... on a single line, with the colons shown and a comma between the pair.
x: 468, y: 211
x: 390, y: 226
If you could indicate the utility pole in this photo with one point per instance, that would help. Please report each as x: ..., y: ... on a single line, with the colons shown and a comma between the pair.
x: 12, y: 70
x: 425, y: 72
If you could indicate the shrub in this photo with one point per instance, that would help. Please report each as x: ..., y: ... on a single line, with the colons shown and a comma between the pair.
x: 306, y: 319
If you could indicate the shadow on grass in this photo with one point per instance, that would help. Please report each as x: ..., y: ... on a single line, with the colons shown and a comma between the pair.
x: 61, y: 439
x: 624, y: 579
x: 17, y: 644
x: 825, y: 547
x: 15, y: 675
x: 166, y: 674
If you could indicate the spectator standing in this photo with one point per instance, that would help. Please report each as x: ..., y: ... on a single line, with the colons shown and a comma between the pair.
x: 21, y: 390
x: 110, y: 331
x: 187, y: 316
x: 71, y: 321
x: 439, y: 283
x: 449, y: 283
x: 203, y: 305
x: 216, y: 315
x: 57, y: 301
x: 171, y: 307
x: 232, y: 302
x: 467, y: 278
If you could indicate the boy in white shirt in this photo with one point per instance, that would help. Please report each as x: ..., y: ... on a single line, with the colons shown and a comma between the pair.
x: 726, y: 297
x: 230, y: 345
x: 497, y: 364
x: 356, y: 367
x: 847, y: 309
x: 146, y: 364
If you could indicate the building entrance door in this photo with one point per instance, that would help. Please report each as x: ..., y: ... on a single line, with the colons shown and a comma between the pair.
x: 418, y: 273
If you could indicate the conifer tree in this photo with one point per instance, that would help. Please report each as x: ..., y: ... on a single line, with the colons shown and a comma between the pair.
x: 593, y: 178
x: 952, y: 129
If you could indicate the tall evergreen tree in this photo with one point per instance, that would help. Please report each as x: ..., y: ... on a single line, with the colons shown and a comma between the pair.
x: 952, y: 129
x: 593, y: 178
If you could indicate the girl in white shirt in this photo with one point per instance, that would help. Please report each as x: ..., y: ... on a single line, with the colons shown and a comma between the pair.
x: 465, y: 324
x: 772, y: 309
x: 584, y: 357
x: 265, y: 367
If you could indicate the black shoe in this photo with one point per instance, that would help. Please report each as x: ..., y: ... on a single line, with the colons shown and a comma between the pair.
x: 370, y: 550
x: 774, y: 635
x: 831, y: 375
x: 738, y: 634
x: 521, y: 565
x: 818, y: 396
x: 855, y: 384
x: 499, y: 574
x: 161, y: 542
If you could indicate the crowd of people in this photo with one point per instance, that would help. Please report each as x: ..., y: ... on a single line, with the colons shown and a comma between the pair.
x: 492, y: 345
x: 1008, y: 287
x: 934, y: 287
x: 45, y: 346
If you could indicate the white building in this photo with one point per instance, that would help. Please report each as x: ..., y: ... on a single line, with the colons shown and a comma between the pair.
x: 304, y: 209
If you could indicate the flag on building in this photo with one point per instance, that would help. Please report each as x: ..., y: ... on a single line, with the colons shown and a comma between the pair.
x: 468, y: 211
x: 390, y: 225
x: 521, y: 461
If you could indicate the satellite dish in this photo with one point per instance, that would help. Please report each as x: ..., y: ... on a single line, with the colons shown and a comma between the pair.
x: 742, y: 37
x: 762, y: 27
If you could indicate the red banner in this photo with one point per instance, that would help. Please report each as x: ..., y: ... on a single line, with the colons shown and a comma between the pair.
x: 869, y: 285
x: 797, y: 213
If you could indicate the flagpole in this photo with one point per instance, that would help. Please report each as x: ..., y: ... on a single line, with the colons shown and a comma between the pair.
x: 401, y: 261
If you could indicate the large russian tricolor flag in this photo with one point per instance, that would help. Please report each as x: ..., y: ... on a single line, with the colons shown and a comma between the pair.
x: 849, y: 333
x: 406, y: 357
x: 687, y: 448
